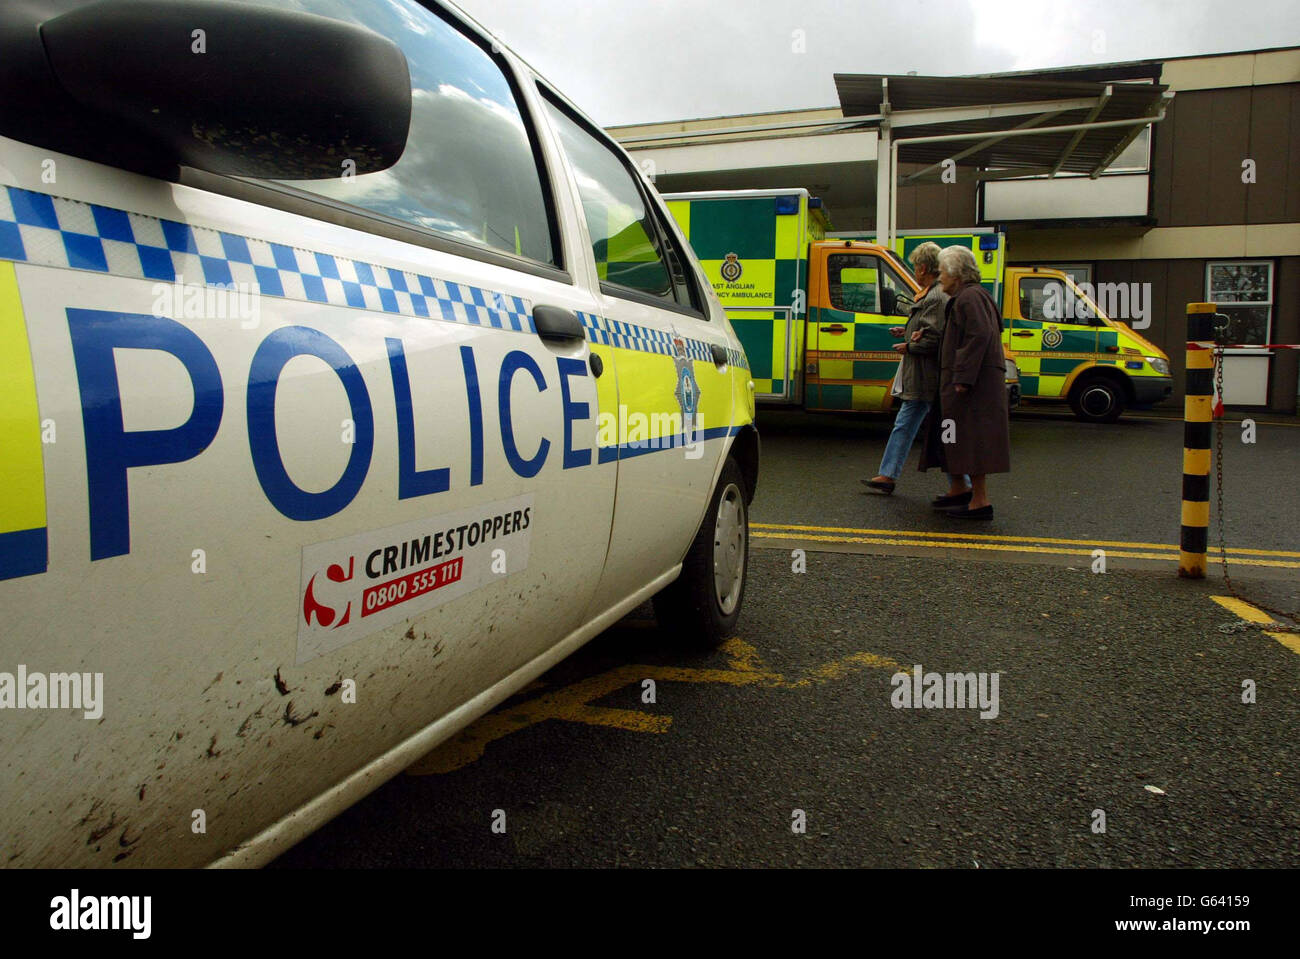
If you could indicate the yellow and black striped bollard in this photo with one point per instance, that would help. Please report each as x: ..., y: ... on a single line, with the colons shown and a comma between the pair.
x: 1197, y: 416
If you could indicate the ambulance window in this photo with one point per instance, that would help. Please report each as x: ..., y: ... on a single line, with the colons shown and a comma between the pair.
x: 624, y: 238
x: 470, y: 171
x: 851, y: 278
x: 1046, y: 299
x: 895, y: 294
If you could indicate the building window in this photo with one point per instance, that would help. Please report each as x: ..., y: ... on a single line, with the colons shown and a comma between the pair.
x: 1243, y: 290
x: 1136, y: 157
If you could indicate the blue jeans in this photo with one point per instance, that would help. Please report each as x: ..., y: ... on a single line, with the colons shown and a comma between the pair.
x: 911, y: 414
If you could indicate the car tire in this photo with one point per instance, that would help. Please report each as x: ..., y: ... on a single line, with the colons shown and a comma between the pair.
x: 1097, y: 400
x: 701, y: 607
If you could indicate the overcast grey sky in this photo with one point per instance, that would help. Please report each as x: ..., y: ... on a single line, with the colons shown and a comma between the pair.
x: 629, y: 61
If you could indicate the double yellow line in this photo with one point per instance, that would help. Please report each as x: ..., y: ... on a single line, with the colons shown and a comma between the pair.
x: 1009, y: 544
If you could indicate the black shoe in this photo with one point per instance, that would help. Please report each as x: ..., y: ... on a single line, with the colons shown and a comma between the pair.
x: 956, y: 499
x: 984, y: 512
x: 876, y: 486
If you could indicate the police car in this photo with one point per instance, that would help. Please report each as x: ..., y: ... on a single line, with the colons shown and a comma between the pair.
x: 351, y: 377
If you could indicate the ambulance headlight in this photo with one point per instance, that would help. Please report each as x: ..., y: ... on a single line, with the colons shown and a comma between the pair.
x: 1159, y: 365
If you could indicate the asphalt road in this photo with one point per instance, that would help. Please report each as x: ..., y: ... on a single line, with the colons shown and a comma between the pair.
x: 1120, y: 694
x: 1107, y: 685
x: 1119, y: 481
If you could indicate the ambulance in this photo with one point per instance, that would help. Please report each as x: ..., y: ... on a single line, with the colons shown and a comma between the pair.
x: 814, y: 309
x: 1065, y: 346
x: 350, y: 378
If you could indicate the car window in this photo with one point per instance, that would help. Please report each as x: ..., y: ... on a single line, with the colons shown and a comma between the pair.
x: 851, y: 278
x: 624, y: 237
x: 470, y: 170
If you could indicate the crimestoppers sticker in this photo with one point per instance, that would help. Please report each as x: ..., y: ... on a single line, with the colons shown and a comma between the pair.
x: 356, y: 586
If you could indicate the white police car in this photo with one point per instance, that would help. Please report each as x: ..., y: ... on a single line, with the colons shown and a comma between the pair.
x: 350, y: 378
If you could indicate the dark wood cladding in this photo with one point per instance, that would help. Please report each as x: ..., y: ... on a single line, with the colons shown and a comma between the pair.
x: 1175, y: 283
x: 922, y: 205
x: 1199, y: 150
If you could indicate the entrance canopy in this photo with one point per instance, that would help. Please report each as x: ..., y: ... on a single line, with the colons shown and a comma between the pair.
x: 1005, y: 126
x: 1060, y: 125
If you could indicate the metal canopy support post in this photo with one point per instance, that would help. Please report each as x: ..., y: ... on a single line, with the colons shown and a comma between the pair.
x: 1074, y: 140
x: 1123, y: 144
x: 885, y: 188
x: 936, y: 115
x: 1013, y: 174
x: 803, y: 127
x: 985, y: 144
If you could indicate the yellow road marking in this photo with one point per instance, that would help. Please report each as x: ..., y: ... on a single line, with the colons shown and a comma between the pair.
x: 1290, y: 640
x: 1008, y: 548
x: 1253, y: 615
x: 571, y: 703
x: 996, y: 547
x: 1243, y: 610
x: 976, y: 537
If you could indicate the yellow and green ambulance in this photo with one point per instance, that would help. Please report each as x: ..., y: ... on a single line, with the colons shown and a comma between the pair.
x: 813, y: 309
x: 754, y: 246
x: 1065, y: 346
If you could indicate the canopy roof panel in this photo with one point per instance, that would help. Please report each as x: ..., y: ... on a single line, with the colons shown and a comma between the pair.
x: 989, y: 104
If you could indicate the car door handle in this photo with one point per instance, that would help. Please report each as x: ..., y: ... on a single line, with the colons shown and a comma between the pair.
x: 1022, y: 333
x: 557, y: 323
x: 835, y: 328
x: 719, y: 354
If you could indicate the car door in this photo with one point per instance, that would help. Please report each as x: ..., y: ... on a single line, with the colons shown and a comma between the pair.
x: 674, y: 393
x: 850, y: 342
x: 1053, y: 333
x: 319, y: 468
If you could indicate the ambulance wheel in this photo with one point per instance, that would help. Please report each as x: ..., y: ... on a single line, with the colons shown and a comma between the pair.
x: 1097, y: 400
x: 701, y: 607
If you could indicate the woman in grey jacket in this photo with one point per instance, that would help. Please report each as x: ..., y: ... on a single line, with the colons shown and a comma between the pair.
x: 917, y: 383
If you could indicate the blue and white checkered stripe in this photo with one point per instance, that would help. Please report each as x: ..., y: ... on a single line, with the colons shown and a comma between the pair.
x: 644, y: 339
x: 594, y: 326
x: 630, y: 336
x: 737, y: 358
x: 698, y: 350
x: 54, y: 231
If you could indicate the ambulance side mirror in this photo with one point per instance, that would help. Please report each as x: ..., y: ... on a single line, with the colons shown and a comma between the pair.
x: 230, y: 88
x: 887, y: 301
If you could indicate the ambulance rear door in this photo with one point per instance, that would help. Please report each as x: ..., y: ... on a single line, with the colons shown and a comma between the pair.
x: 752, y: 245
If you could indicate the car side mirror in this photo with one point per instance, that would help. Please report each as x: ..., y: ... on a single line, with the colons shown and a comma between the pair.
x: 230, y: 88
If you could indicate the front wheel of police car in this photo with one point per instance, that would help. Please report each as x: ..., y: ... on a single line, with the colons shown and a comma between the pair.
x: 701, y: 607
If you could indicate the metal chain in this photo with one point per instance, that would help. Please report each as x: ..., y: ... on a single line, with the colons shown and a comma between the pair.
x: 1223, y: 539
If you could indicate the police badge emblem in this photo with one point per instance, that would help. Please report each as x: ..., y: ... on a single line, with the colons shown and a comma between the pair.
x: 687, y: 391
x: 731, y: 268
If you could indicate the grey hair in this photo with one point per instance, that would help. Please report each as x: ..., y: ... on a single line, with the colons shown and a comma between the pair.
x: 926, y: 255
x: 959, y: 261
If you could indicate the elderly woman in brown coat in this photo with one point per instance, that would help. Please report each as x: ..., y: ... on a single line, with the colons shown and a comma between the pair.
x: 971, y: 434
